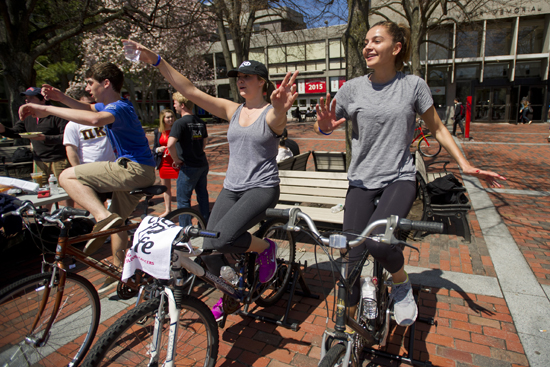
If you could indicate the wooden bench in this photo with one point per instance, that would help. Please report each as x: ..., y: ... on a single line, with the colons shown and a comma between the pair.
x: 295, y: 163
x: 329, y: 161
x: 436, y: 212
x: 18, y: 169
x: 315, y: 193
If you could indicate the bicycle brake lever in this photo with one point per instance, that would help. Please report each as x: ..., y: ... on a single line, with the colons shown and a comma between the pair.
x: 403, y: 243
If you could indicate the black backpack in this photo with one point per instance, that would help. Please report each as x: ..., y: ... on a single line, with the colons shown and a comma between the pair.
x: 22, y: 154
x: 446, y: 190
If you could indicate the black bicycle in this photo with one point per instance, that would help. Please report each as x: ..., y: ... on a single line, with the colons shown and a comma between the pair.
x: 341, y: 348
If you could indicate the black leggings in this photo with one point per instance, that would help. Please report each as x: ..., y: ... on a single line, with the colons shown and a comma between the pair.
x: 233, y: 214
x: 396, y: 199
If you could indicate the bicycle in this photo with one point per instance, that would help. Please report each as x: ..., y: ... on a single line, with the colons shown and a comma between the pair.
x: 339, y: 347
x: 132, y: 336
x: 137, y: 337
x: 428, y: 146
x: 36, y: 311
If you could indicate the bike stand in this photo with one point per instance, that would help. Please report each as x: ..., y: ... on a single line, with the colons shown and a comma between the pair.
x: 408, y: 357
x: 295, y: 278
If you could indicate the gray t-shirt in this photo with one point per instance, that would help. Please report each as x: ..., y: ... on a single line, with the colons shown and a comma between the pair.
x: 252, y: 154
x: 383, y: 119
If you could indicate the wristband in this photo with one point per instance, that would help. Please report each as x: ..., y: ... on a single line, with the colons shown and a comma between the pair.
x: 321, y: 131
x: 158, y: 62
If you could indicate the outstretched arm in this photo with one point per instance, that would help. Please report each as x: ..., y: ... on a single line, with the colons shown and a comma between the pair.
x: 88, y: 118
x: 54, y: 94
x: 220, y: 107
x: 326, y: 116
x: 282, y: 99
x: 440, y: 132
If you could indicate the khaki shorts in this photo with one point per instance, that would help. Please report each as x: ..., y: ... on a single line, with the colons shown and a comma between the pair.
x: 47, y: 168
x: 118, y: 177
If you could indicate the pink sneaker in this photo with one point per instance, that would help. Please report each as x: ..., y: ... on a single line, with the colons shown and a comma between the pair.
x: 217, y: 310
x: 268, y: 262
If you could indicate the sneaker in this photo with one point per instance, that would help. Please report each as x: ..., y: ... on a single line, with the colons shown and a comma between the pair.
x: 108, y: 285
x: 217, y: 310
x: 112, y: 221
x: 267, y: 261
x: 404, y: 305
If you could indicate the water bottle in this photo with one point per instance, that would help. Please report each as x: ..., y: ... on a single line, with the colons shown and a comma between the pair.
x: 229, y: 274
x: 52, y: 181
x: 368, y: 294
x: 337, y: 208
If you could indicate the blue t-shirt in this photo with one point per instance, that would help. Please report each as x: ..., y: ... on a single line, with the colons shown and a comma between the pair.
x: 126, y: 133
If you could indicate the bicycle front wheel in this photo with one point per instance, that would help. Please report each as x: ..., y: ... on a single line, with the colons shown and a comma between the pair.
x: 187, y: 216
x: 73, y: 329
x: 128, y: 341
x: 334, y: 357
x: 429, y: 146
x: 272, y: 291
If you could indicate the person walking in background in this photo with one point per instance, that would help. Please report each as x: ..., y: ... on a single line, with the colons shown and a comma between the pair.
x: 459, y: 115
x: 168, y: 171
x: 382, y: 107
x: 186, y: 145
x: 524, y: 111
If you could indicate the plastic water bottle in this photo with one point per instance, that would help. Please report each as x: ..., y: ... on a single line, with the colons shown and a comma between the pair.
x: 229, y: 274
x: 337, y: 208
x: 52, y: 181
x: 368, y: 294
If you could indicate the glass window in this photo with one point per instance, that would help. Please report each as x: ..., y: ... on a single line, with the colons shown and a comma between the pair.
x: 334, y: 49
x: 315, y: 51
x: 468, y: 42
x: 276, y: 55
x: 441, y: 50
x: 295, y: 53
x: 234, y: 59
x: 493, y: 71
x: 302, y: 102
x: 256, y: 55
x: 528, y: 69
x: 221, y: 68
x: 530, y: 36
x: 467, y: 72
x: 334, y: 64
x: 437, y: 77
x: 498, y: 38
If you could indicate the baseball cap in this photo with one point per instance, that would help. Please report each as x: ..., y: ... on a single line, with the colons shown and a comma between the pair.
x: 32, y: 91
x: 250, y: 67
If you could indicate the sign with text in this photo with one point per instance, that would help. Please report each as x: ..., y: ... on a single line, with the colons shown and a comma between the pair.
x: 336, y: 83
x: 318, y: 85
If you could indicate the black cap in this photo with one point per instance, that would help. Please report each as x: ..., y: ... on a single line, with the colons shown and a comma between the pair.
x: 32, y: 91
x: 250, y: 67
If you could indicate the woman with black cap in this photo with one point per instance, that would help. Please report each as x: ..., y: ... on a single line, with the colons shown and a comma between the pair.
x: 251, y: 183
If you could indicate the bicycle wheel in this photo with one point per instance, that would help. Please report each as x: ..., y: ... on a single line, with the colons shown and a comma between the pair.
x: 272, y: 291
x: 127, y: 342
x: 334, y: 357
x: 428, y: 146
x: 71, y: 334
x: 187, y: 216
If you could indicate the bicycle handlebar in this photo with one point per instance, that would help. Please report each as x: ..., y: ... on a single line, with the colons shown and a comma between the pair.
x: 392, y: 223
x: 193, y: 232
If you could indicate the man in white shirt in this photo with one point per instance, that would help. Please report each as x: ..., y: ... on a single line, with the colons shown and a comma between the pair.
x: 86, y: 144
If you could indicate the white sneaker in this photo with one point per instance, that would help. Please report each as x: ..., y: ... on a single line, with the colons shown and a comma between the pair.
x: 404, y: 305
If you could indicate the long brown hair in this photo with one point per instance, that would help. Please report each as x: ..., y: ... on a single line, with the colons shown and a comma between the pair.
x: 400, y: 33
x: 267, y: 89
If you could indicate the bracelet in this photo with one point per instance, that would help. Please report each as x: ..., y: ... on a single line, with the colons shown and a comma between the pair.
x: 321, y: 131
x: 158, y: 62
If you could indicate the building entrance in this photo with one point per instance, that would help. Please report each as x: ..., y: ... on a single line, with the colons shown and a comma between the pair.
x: 491, y: 104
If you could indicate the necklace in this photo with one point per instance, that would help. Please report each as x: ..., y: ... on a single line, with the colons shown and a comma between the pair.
x: 252, y: 110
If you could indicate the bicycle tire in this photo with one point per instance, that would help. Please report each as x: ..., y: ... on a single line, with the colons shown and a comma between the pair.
x: 131, y: 331
x: 195, y: 218
x: 271, y: 292
x: 76, y: 320
x: 334, y: 356
x: 428, y: 146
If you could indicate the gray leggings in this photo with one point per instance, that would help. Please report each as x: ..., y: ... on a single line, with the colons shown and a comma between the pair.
x: 233, y: 214
x: 397, y: 199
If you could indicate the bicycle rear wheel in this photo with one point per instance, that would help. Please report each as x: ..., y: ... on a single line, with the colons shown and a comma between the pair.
x: 428, y: 146
x: 127, y: 342
x: 272, y: 291
x: 73, y: 329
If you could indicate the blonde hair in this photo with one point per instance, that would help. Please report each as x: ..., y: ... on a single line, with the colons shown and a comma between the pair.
x: 402, y: 34
x: 182, y: 100
x: 162, y: 128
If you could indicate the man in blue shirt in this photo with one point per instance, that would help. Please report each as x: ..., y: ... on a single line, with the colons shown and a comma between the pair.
x: 133, y: 169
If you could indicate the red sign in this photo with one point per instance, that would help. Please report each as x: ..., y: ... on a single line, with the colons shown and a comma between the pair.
x: 316, y: 86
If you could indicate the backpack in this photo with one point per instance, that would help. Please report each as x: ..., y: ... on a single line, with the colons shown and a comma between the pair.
x: 462, y: 111
x: 446, y: 190
x: 22, y: 154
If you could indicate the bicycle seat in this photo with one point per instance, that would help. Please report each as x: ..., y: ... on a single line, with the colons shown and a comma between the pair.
x: 150, y: 191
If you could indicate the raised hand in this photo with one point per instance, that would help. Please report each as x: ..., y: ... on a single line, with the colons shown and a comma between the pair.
x: 32, y: 109
x: 146, y: 55
x: 326, y: 115
x: 489, y: 176
x: 283, y: 97
x: 52, y: 94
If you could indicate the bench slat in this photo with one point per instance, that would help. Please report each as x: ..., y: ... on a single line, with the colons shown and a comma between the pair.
x: 314, y: 174
x: 314, y: 183
x: 307, y: 191
x: 312, y: 199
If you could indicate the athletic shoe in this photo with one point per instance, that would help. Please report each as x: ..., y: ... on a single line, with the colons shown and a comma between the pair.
x: 267, y: 261
x: 112, y: 221
x: 404, y: 305
x: 108, y: 285
x: 217, y: 310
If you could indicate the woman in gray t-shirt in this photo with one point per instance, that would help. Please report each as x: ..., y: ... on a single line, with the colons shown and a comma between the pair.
x: 382, y: 107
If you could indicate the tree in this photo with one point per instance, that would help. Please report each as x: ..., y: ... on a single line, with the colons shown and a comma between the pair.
x: 31, y: 28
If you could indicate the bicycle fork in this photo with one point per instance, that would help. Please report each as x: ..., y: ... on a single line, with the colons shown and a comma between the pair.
x: 173, y: 312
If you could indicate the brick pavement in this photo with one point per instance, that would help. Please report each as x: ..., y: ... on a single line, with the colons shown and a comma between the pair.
x: 472, y: 329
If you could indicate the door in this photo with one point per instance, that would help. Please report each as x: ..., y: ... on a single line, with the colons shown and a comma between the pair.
x: 491, y: 104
